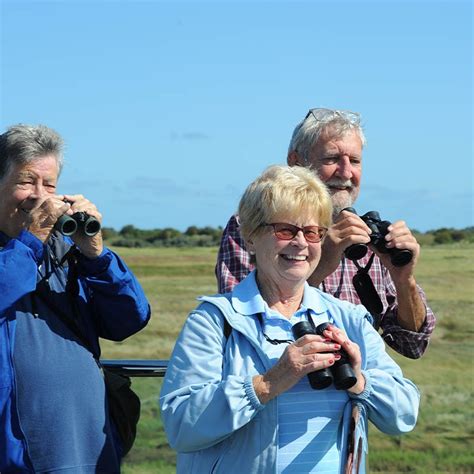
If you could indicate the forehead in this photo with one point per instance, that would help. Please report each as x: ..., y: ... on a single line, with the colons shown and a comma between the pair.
x: 348, y: 142
x: 45, y: 167
x: 300, y: 217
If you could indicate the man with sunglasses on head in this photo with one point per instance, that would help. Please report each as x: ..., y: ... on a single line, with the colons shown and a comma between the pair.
x: 330, y: 142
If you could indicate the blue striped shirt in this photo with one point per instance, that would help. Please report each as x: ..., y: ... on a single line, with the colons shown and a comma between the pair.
x: 308, y: 419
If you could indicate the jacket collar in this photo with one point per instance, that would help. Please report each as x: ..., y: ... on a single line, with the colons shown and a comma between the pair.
x: 4, y: 239
x: 58, y: 245
x: 247, y: 300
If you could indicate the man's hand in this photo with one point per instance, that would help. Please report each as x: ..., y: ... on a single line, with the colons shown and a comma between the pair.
x: 348, y: 229
x: 411, y: 312
x: 400, y: 237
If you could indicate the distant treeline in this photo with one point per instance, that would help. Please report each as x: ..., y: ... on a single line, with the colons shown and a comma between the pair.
x: 130, y: 236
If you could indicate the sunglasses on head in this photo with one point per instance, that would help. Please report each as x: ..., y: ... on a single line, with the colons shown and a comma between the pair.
x: 312, y: 233
x: 326, y: 115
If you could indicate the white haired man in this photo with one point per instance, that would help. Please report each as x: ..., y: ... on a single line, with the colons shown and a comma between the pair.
x: 330, y: 142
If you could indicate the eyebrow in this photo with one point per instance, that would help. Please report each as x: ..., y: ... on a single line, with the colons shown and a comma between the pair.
x: 26, y: 174
x: 338, y: 155
x: 32, y: 175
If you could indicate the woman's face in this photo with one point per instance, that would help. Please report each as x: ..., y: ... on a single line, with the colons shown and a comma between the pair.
x: 22, y: 189
x: 285, y: 262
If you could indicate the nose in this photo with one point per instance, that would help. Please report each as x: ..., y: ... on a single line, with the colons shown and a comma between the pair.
x: 299, y: 239
x: 344, y: 167
x: 38, y: 191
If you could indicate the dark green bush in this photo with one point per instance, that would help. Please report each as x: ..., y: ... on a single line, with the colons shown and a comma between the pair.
x: 193, y: 236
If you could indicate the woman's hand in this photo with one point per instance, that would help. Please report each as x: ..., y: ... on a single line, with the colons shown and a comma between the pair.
x: 353, y: 351
x: 308, y: 354
x: 43, y: 217
x: 90, y: 246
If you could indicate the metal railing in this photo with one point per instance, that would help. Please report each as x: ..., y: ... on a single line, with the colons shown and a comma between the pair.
x: 136, y: 367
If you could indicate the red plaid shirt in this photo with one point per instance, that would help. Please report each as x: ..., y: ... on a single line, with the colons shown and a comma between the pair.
x: 233, y: 265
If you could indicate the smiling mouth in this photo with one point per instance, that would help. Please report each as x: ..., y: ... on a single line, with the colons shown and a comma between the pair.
x: 340, y: 188
x: 298, y: 258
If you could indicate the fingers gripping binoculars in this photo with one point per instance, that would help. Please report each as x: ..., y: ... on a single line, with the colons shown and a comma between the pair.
x: 379, y: 228
x: 340, y: 373
x: 79, y: 221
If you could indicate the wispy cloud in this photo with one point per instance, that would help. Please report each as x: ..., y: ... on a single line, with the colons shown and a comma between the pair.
x: 189, y: 136
x: 170, y: 189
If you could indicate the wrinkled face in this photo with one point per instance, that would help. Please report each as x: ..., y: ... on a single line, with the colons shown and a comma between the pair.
x: 24, y: 188
x: 283, y: 262
x: 338, y: 163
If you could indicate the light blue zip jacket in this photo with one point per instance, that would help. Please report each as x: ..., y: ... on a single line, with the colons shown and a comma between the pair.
x: 211, y: 413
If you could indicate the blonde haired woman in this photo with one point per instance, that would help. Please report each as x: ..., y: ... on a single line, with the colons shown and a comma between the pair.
x: 236, y: 397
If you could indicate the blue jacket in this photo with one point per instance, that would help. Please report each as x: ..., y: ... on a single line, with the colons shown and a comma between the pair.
x: 53, y: 412
x: 210, y: 410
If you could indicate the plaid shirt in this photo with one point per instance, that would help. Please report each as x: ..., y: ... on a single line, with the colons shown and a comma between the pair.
x: 233, y: 265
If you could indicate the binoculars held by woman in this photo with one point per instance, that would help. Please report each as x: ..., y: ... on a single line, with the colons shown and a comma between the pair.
x: 340, y: 373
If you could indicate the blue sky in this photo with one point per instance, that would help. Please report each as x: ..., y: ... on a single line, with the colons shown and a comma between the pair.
x: 169, y: 109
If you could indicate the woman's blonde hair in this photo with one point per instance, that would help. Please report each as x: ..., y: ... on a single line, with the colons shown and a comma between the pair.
x: 283, y: 191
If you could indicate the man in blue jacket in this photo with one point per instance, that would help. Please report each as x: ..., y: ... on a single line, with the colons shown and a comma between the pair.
x: 53, y: 407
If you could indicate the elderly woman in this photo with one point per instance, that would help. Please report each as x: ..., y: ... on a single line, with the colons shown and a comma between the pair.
x: 236, y: 397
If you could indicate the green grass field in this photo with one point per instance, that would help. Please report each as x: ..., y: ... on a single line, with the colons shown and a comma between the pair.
x: 442, y: 441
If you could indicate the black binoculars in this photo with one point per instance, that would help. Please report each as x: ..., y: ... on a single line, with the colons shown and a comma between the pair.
x: 379, y: 228
x: 340, y: 373
x: 69, y: 225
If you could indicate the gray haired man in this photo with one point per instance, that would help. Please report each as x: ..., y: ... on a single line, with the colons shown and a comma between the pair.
x: 330, y: 142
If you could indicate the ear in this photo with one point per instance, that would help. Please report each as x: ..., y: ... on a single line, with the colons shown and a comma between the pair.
x: 293, y: 158
x: 249, y: 245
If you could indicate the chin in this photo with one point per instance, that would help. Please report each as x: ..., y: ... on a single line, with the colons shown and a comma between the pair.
x: 341, y: 202
x: 338, y: 206
x: 301, y: 276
